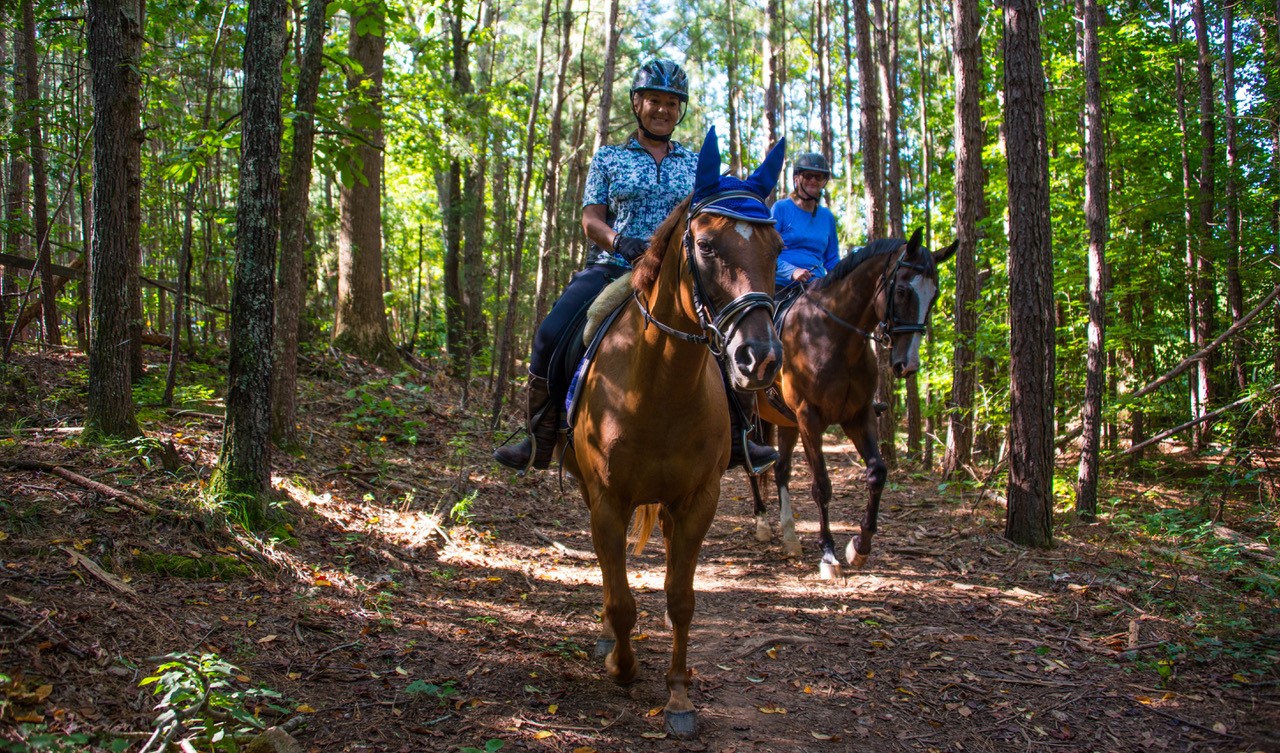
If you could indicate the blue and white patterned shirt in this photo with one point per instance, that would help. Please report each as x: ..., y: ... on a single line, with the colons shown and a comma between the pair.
x: 638, y: 192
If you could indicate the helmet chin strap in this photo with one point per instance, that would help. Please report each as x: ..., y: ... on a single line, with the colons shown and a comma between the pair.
x: 650, y: 134
x: 805, y: 194
x: 684, y: 110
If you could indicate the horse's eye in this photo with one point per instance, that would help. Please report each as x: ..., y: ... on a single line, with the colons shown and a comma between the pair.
x: 705, y: 247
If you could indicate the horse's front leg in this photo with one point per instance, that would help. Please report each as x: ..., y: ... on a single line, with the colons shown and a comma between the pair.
x: 787, y: 437
x: 763, y: 533
x: 689, y: 521
x: 811, y: 428
x: 862, y: 431
x: 609, y: 519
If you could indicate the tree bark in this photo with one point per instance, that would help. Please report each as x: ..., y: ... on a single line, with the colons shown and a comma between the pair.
x: 134, y: 166
x: 822, y: 37
x: 516, y: 266
x: 361, y: 325
x: 851, y: 206
x: 295, y: 201
x: 1235, y: 290
x: 1096, y: 198
x: 1031, y: 333
x: 610, y: 70
x: 1206, y: 296
x: 113, y: 44
x: 967, y: 57
x: 772, y: 40
x: 551, y: 186
x: 734, y: 94
x: 15, y: 201
x: 243, y: 476
x: 39, y: 175
x: 872, y: 159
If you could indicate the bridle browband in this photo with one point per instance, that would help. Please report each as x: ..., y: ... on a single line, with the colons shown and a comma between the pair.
x: 889, y: 325
x: 718, y: 326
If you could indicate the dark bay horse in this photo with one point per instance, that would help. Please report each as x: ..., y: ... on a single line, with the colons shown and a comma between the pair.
x: 883, y: 291
x: 651, y: 432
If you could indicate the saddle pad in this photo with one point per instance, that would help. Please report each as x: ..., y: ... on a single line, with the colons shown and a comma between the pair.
x: 614, y: 295
x: 601, y: 329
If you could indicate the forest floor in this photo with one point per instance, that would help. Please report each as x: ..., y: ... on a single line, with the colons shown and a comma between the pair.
x: 424, y: 600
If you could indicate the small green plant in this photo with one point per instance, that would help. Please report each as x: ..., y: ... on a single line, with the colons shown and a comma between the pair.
x: 461, y: 510
x: 490, y: 746
x: 442, y: 692
x: 205, y: 701
x: 31, y: 738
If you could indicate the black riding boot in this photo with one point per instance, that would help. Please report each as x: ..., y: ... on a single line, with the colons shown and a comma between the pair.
x: 761, y: 456
x: 543, y: 427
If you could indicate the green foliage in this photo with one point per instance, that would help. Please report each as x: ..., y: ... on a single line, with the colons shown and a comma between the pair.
x: 490, y: 746
x: 384, y: 407
x: 441, y: 692
x: 204, y: 701
x: 36, y: 738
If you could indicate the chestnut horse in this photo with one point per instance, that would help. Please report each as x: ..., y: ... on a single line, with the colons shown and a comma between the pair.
x: 884, y: 291
x: 652, y: 419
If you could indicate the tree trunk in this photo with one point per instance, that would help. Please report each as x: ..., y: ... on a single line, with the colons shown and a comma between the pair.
x: 15, y: 201
x: 1196, y: 398
x: 772, y: 95
x: 551, y: 186
x: 243, y: 476
x: 872, y: 159
x: 136, y: 366
x: 886, y: 44
x: 361, y: 325
x: 610, y: 70
x: 967, y: 57
x: 1095, y: 211
x: 4, y: 190
x: 734, y: 93
x: 39, y: 175
x: 475, y: 205
x: 1206, y: 296
x: 1235, y: 291
x: 1031, y: 331
x: 851, y: 205
x: 822, y: 37
x: 113, y: 44
x: 295, y: 201
x: 516, y: 266
x: 926, y: 160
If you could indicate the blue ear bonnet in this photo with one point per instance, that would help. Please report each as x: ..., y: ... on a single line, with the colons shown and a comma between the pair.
x: 726, y: 195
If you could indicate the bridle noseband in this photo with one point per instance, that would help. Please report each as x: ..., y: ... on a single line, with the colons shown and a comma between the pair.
x: 718, y: 326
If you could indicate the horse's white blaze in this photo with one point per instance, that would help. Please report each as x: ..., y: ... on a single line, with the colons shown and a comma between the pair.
x: 744, y: 229
x: 925, y: 290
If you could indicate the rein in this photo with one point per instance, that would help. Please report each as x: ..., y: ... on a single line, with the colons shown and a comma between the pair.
x: 718, y: 326
x: 889, y: 324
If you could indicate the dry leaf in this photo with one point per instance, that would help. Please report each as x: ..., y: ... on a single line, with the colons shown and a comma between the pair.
x: 553, y: 708
x: 772, y: 710
x: 584, y: 749
x: 43, y: 692
x: 654, y: 711
x: 654, y: 735
x: 304, y: 709
x: 543, y: 734
x: 820, y: 736
x: 1220, y: 728
x: 772, y: 653
x: 294, y: 675
x: 402, y: 671
x: 267, y: 638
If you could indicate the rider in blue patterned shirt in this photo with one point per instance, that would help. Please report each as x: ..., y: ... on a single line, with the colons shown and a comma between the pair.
x: 630, y: 190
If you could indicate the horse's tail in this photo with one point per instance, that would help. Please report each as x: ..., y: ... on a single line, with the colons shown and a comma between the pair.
x: 642, y: 526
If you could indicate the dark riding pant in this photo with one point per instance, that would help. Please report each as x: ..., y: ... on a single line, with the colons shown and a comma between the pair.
x: 572, y: 304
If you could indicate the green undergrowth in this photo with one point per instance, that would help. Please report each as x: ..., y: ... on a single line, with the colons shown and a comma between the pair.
x: 208, y: 567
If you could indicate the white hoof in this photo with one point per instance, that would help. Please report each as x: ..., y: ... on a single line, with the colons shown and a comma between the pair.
x: 857, y: 561
x: 764, y: 534
x: 830, y: 570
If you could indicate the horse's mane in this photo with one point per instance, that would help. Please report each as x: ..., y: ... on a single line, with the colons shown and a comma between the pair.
x: 876, y: 248
x: 646, y: 267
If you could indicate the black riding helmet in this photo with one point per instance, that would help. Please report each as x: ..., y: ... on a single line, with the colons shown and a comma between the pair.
x: 660, y: 75
x: 812, y: 162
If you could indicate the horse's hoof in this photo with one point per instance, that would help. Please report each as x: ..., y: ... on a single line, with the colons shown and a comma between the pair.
x: 830, y: 570
x: 763, y: 533
x: 604, y: 646
x: 791, y: 549
x: 682, y: 725
x: 853, y: 557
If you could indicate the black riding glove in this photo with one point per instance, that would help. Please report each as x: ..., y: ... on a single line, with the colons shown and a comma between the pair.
x: 629, y: 248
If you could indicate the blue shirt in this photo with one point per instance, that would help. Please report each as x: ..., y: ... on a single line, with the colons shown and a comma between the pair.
x: 809, y: 241
x: 638, y: 191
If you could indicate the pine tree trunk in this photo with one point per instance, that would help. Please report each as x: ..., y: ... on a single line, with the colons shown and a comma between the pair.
x: 15, y: 200
x: 361, y: 325
x: 1196, y: 398
x: 772, y: 88
x: 1206, y: 295
x: 1235, y: 290
x: 475, y: 187
x: 610, y: 71
x: 4, y: 188
x: 967, y: 57
x: 926, y: 163
x: 851, y: 205
x: 516, y: 266
x: 39, y: 175
x: 1031, y: 332
x: 734, y: 93
x: 295, y: 201
x: 886, y: 46
x: 243, y: 476
x: 1096, y: 196
x: 113, y: 44
x: 136, y: 366
x: 872, y: 159
x: 822, y: 35
x: 551, y: 186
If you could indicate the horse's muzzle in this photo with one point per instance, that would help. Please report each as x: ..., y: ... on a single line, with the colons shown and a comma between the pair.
x: 756, y: 362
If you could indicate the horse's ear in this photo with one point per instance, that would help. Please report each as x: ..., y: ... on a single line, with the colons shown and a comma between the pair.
x: 913, y: 245
x: 765, y: 178
x: 708, y: 174
x: 946, y: 253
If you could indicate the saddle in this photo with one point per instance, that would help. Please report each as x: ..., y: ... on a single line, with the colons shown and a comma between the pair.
x: 580, y: 342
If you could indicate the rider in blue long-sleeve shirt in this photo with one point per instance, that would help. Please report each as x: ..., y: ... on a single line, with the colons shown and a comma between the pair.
x: 810, y: 240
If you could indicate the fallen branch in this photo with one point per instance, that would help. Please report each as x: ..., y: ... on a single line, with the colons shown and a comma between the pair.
x: 97, y: 486
x: 756, y: 644
x: 96, y: 571
x: 569, y: 552
x: 1181, y: 427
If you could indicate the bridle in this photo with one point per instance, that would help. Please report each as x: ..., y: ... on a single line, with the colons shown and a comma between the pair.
x: 889, y: 325
x: 718, y: 326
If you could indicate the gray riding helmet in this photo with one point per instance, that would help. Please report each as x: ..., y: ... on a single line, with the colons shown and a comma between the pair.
x: 811, y: 162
